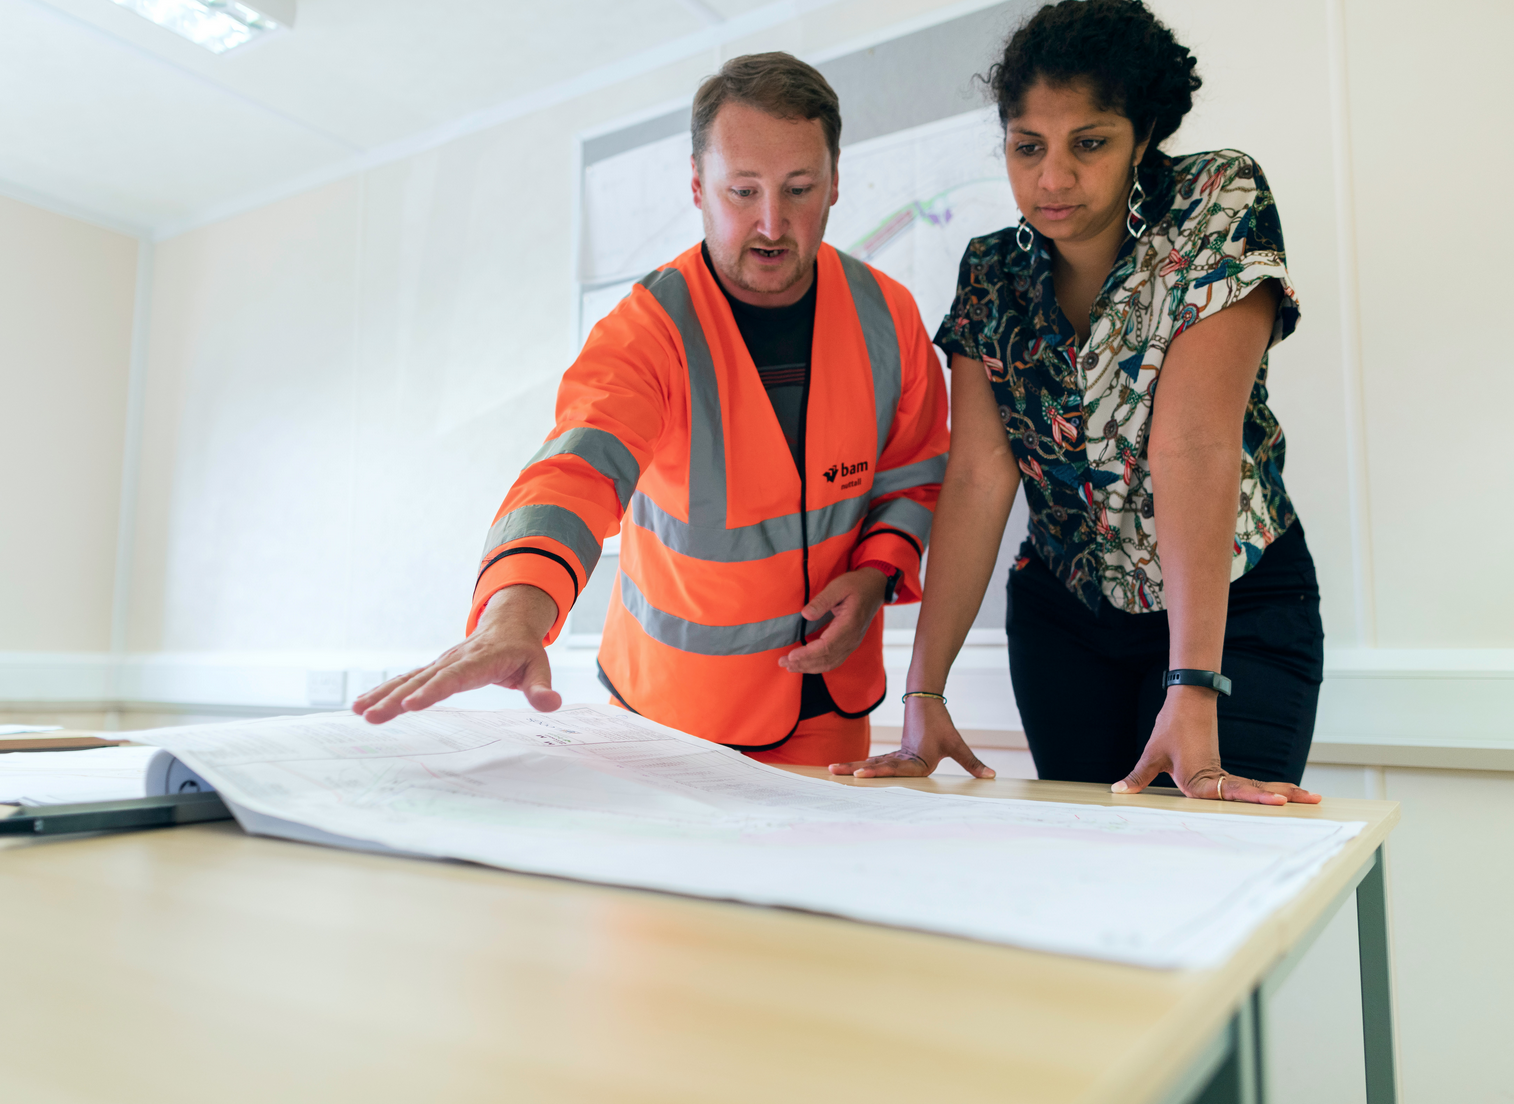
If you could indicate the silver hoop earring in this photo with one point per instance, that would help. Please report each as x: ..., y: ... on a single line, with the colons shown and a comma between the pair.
x: 1133, y: 207
x: 1025, y: 238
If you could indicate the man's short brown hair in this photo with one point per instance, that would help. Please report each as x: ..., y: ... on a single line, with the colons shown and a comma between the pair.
x: 777, y: 83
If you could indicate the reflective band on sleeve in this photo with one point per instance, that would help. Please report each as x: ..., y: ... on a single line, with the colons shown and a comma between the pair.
x: 601, y: 451
x: 901, y: 513
x: 706, y: 433
x: 911, y: 475
x: 710, y: 640
x: 543, y: 520
x: 882, y: 341
x: 747, y: 542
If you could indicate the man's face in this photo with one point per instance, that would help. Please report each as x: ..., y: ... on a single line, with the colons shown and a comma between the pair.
x: 766, y: 189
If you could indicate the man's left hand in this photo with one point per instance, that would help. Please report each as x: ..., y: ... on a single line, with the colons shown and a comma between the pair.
x: 852, y: 600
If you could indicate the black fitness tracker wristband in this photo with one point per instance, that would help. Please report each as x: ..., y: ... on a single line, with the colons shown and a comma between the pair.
x: 1189, y: 676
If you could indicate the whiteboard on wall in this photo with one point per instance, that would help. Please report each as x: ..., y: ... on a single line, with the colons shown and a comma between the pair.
x: 921, y: 173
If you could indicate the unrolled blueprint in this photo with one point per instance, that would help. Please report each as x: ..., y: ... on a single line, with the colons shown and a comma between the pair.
x: 599, y: 794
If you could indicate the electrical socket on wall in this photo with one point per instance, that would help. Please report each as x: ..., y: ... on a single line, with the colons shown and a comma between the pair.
x: 360, y: 682
x: 326, y: 687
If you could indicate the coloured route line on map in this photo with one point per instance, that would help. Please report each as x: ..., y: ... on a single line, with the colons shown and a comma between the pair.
x: 934, y: 211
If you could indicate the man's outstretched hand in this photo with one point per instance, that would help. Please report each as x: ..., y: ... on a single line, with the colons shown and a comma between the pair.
x: 504, y: 650
x: 852, y: 600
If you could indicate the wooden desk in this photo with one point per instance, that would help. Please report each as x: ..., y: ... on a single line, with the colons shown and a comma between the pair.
x: 201, y: 963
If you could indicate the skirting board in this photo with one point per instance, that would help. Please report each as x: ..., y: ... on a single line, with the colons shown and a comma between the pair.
x: 1322, y: 752
x: 1382, y: 707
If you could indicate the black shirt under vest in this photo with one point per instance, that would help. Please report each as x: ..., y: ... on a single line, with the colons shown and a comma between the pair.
x: 779, y: 340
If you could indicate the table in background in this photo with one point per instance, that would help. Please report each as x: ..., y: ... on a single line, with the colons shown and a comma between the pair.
x: 199, y: 961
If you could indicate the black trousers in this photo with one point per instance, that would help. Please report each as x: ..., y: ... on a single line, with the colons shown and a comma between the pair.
x: 1089, y: 685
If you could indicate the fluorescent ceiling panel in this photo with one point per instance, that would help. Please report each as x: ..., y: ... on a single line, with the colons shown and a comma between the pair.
x: 217, y: 25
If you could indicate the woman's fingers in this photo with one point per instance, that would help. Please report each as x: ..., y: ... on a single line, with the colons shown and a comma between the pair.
x: 970, y: 762
x: 896, y: 764
x: 1137, y: 780
x: 1288, y: 790
x: 1236, y: 788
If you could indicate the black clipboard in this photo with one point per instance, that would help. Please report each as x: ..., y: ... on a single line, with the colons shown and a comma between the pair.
x: 162, y: 811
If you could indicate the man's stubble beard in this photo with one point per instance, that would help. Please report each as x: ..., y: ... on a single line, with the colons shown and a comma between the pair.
x: 730, y: 268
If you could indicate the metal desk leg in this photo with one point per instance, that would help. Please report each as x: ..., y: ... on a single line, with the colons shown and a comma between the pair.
x: 1377, y: 985
x: 1238, y: 1078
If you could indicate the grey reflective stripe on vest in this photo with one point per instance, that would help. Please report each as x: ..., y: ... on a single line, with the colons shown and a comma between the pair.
x: 746, y: 542
x: 542, y: 520
x: 601, y: 451
x: 901, y: 513
x: 882, y: 341
x: 705, y: 535
x: 911, y: 475
x: 706, y: 433
x: 710, y: 640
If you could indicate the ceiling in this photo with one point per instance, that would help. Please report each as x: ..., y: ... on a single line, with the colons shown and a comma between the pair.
x: 113, y: 119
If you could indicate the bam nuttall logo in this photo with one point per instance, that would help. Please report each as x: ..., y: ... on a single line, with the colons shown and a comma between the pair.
x: 845, y: 470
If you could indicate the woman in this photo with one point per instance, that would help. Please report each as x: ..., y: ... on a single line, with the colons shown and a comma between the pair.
x: 1161, y: 537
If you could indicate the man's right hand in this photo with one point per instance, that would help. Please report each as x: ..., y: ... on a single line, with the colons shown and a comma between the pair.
x: 504, y: 650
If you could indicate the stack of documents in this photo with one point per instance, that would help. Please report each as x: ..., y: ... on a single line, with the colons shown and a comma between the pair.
x: 600, y: 794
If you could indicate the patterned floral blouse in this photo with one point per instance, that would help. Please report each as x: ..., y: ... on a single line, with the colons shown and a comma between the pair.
x: 1078, y: 418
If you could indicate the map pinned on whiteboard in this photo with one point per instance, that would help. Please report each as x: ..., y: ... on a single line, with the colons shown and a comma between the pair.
x: 910, y: 202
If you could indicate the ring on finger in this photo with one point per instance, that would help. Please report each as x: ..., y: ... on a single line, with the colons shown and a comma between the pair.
x: 1219, y: 789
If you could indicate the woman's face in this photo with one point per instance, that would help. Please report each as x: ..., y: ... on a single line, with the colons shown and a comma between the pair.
x: 1070, y: 162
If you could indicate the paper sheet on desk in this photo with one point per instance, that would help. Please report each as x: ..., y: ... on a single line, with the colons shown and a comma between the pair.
x: 61, y: 777
x: 595, y: 793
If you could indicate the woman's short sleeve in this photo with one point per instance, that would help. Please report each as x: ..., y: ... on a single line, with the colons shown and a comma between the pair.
x: 1231, y: 240
x: 979, y: 287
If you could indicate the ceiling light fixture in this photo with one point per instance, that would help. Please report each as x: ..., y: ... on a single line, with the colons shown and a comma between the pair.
x: 217, y: 25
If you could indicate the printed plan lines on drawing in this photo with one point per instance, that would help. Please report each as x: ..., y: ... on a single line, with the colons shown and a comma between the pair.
x: 638, y: 213
x: 599, y: 794
x: 909, y: 203
x: 912, y: 200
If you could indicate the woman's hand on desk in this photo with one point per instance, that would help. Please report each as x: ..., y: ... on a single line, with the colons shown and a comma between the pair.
x: 1185, y: 742
x: 929, y: 737
x: 504, y: 650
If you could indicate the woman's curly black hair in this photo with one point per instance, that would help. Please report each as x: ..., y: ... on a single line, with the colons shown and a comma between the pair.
x: 1132, y: 62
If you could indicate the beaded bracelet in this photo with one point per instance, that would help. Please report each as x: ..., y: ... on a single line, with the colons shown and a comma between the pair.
x: 920, y: 694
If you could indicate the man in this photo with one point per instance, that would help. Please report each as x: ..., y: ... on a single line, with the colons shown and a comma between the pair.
x: 765, y: 421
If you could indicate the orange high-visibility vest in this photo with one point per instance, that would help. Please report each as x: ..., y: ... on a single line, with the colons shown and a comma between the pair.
x: 664, y: 430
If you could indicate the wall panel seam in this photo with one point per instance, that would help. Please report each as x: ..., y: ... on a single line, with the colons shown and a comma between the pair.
x: 1351, y: 350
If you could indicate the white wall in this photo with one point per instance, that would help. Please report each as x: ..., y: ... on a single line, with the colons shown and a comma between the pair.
x: 1428, y: 84
x: 66, y: 299
x: 342, y: 384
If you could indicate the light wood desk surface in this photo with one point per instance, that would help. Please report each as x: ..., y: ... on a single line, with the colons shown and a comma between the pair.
x: 200, y: 963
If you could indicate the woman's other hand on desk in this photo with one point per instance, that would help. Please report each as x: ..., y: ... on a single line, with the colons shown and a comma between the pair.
x: 505, y: 650
x: 929, y: 737
x: 1185, y: 742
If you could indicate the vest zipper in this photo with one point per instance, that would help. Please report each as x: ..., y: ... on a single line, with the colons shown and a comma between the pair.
x: 804, y: 521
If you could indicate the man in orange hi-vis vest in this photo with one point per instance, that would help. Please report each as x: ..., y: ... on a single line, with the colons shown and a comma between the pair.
x: 764, y: 421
